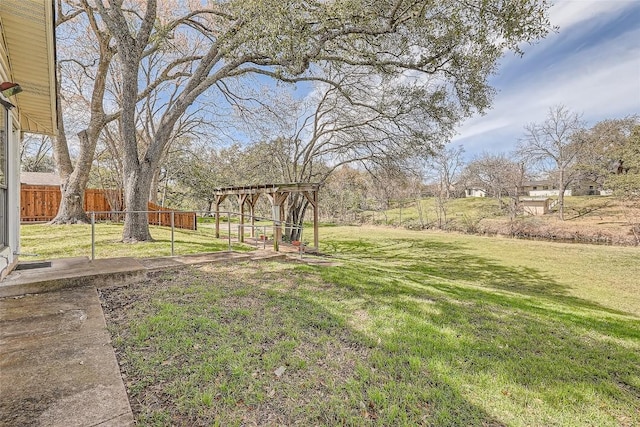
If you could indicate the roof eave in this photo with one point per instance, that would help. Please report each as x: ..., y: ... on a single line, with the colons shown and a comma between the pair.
x: 37, y: 104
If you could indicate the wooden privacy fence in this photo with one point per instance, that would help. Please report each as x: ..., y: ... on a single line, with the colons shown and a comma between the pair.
x: 40, y: 203
x: 162, y: 216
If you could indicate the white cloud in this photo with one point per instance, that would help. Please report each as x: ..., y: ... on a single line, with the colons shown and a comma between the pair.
x: 602, y: 81
x: 567, y: 13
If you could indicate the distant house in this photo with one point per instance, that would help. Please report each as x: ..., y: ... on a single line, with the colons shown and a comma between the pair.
x: 27, y: 103
x: 536, y: 205
x: 549, y: 188
x: 475, y: 192
x: 587, y: 187
x: 543, y: 188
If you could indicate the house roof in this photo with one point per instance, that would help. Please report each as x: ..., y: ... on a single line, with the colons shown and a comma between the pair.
x: 538, y: 183
x: 39, y: 178
x: 29, y: 51
x: 534, y: 199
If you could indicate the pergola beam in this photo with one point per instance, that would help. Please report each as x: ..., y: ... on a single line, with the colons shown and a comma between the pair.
x: 266, y: 188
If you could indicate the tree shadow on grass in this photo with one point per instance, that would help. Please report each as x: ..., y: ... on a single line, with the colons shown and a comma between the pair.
x: 538, y: 345
x: 570, y: 364
x: 202, y: 347
x: 577, y: 364
x: 424, y: 261
x: 215, y: 245
x: 380, y: 349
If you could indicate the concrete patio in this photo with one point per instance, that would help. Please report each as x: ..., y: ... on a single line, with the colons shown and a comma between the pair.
x: 57, y: 365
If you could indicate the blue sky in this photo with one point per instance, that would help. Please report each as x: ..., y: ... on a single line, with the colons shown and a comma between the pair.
x: 591, y: 65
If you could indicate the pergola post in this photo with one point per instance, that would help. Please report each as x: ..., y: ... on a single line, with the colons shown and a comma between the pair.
x: 241, y: 199
x: 218, y: 201
x: 312, y: 197
x: 252, y: 200
x: 277, y: 199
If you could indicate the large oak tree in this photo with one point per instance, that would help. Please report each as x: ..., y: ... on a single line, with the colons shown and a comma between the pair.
x: 83, y: 70
x: 451, y: 44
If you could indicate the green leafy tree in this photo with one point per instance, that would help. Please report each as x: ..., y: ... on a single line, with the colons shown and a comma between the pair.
x: 345, y: 193
x: 198, y: 169
x: 609, y: 146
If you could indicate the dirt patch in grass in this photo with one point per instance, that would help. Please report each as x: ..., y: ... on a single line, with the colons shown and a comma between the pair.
x: 197, y: 348
x: 588, y: 219
x: 587, y: 230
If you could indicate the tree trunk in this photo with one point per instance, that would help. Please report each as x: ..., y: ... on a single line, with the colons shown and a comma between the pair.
x: 295, y: 217
x: 420, y: 211
x: 74, y: 179
x: 562, y: 185
x: 136, y: 196
x: 71, y: 209
x: 155, y: 185
x: 561, y: 205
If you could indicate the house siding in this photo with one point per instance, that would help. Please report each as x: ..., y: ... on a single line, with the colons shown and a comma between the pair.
x: 475, y: 192
x: 548, y: 193
x: 30, y: 104
x: 9, y: 253
x: 4, y: 59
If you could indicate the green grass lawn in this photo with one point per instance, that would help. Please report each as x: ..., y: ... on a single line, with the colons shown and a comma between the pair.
x: 42, y: 241
x: 489, y: 207
x: 461, y: 210
x: 457, y: 210
x: 411, y: 328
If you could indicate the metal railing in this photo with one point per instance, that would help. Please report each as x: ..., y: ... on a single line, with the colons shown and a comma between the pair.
x: 275, y: 227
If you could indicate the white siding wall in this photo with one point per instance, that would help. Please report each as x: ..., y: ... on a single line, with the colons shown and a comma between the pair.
x: 475, y: 192
x: 9, y: 254
x: 14, y: 185
x: 548, y: 193
x: 33, y: 69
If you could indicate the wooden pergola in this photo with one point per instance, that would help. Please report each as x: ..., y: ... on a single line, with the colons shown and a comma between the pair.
x: 277, y: 195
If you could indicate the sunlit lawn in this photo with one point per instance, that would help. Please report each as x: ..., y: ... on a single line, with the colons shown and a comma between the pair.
x: 456, y: 209
x: 41, y: 241
x: 410, y: 329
